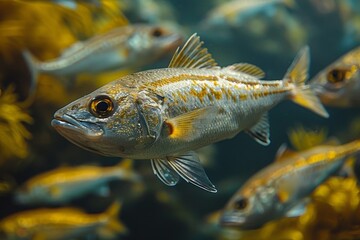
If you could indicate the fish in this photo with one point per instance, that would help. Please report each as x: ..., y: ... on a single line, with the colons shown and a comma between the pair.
x: 124, y: 47
x: 61, y: 224
x: 281, y: 189
x: 338, y: 85
x: 235, y: 12
x: 165, y: 114
x: 64, y: 184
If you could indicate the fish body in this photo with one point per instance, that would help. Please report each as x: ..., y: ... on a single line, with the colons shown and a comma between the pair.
x: 67, y: 183
x: 281, y: 188
x: 119, y: 48
x: 235, y: 12
x: 338, y: 84
x: 164, y: 114
x: 60, y: 224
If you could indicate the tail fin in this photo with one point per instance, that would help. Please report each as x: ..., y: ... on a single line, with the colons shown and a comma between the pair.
x: 113, y: 225
x: 124, y: 170
x: 33, y: 69
x: 302, y: 94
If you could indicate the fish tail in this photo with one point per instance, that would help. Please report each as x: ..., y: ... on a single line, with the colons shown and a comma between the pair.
x: 352, y: 147
x: 32, y: 64
x: 124, y: 170
x: 113, y: 225
x: 302, y: 94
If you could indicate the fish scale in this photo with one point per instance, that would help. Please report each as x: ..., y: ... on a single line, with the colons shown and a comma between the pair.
x: 165, y: 114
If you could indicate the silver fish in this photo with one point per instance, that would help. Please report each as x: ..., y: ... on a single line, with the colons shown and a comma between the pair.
x: 338, y: 84
x: 120, y: 48
x: 64, y: 184
x: 164, y: 114
x: 281, y: 188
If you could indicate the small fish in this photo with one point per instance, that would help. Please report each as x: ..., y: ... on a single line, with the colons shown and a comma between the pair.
x: 281, y: 188
x: 165, y: 114
x: 338, y: 85
x: 123, y: 47
x: 67, y: 183
x: 234, y: 12
x: 61, y: 224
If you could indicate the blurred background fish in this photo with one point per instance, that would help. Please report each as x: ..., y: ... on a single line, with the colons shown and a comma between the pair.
x: 338, y: 84
x: 61, y: 224
x: 64, y: 184
x: 280, y: 189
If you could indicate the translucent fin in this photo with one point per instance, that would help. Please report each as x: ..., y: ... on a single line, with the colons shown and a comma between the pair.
x: 186, y: 126
x: 189, y: 168
x: 302, y: 94
x: 298, y: 209
x: 164, y: 172
x: 192, y: 55
x: 248, y: 69
x: 261, y: 131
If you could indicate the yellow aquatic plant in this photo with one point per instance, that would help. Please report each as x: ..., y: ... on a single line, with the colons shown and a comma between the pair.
x: 13, y: 133
x: 332, y: 214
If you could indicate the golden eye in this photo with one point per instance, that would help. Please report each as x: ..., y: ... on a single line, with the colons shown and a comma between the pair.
x: 240, y: 204
x: 337, y: 75
x: 101, y: 106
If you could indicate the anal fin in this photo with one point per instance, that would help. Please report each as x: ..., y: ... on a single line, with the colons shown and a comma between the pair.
x: 261, y: 131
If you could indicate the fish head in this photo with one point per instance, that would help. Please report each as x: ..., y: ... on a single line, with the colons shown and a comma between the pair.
x: 150, y: 42
x: 113, y: 121
x: 250, y: 211
x: 336, y: 84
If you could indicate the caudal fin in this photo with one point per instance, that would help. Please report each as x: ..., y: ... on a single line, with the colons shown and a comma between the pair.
x: 302, y: 94
x: 113, y: 225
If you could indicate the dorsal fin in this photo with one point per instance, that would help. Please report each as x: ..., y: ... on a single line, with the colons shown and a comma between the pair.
x: 248, y: 69
x: 192, y: 55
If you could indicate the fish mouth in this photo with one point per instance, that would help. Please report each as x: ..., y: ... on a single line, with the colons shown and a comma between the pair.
x: 229, y: 220
x: 68, y: 125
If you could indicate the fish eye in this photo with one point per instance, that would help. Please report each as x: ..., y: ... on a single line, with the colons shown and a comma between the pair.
x: 101, y: 106
x: 336, y: 75
x: 157, y: 32
x: 241, y: 204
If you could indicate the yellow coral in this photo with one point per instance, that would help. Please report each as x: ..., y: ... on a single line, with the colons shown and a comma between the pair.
x: 13, y: 134
x: 333, y: 213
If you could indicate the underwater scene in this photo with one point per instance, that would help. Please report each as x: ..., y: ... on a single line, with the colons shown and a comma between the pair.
x: 169, y: 119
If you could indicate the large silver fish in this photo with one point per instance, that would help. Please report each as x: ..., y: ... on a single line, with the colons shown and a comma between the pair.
x: 338, y: 84
x: 281, y: 188
x: 164, y: 114
x: 122, y: 47
x: 64, y: 184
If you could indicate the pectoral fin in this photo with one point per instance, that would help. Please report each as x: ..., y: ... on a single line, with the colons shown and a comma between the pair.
x: 261, y: 131
x: 189, y: 168
x: 164, y: 171
x: 299, y: 209
x: 187, y: 126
